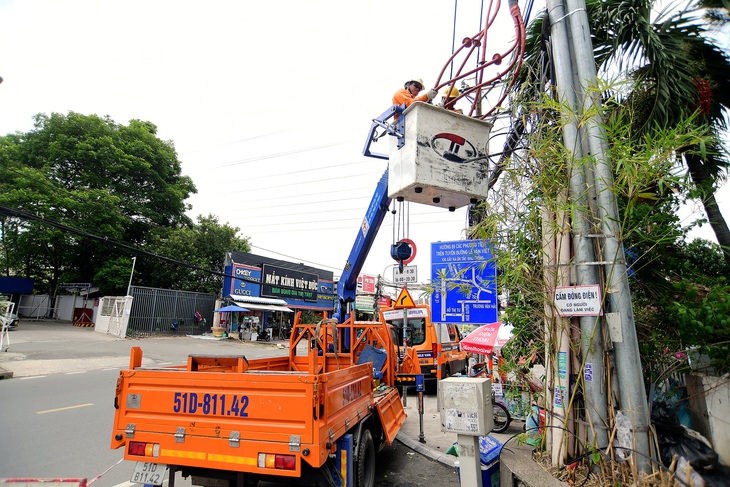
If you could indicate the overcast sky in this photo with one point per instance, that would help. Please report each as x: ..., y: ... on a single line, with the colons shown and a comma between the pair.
x: 268, y: 103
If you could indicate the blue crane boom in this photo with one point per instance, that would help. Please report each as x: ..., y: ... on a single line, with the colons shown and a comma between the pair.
x: 347, y: 287
x: 379, y: 204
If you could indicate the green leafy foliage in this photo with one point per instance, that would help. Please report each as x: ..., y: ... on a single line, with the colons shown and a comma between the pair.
x: 85, y: 176
x: 202, y: 245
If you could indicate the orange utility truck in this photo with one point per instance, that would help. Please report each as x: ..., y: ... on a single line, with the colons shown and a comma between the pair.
x: 436, y: 344
x: 322, y: 411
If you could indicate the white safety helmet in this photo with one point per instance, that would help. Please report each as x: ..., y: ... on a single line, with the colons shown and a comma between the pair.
x: 415, y: 80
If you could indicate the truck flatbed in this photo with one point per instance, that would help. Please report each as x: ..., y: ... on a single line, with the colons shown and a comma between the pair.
x: 265, y: 417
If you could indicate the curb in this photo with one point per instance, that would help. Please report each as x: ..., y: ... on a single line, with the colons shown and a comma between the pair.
x: 420, y: 448
x: 5, y: 374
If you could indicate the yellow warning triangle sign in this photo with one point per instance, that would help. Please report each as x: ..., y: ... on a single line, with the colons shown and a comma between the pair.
x: 404, y: 299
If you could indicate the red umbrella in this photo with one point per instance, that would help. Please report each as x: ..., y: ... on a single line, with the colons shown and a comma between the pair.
x: 487, y: 338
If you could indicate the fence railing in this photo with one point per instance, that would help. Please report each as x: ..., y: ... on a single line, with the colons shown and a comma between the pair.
x: 169, y: 312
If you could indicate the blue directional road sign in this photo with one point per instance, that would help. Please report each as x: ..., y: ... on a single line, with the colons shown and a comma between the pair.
x: 464, y: 279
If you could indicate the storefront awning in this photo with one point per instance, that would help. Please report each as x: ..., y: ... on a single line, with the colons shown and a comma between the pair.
x: 230, y: 309
x: 268, y: 307
x: 264, y: 304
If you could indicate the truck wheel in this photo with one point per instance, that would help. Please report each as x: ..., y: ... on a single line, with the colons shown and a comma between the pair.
x: 365, y: 464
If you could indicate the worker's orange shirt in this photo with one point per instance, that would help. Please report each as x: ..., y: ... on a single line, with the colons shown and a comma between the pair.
x: 404, y: 96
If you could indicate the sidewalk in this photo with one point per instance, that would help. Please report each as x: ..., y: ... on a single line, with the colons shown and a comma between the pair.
x: 435, y: 442
x: 40, y: 348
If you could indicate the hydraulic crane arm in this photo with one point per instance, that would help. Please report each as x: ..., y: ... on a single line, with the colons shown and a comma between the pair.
x: 347, y: 287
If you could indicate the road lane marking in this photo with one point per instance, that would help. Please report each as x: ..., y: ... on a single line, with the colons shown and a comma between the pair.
x: 66, y: 408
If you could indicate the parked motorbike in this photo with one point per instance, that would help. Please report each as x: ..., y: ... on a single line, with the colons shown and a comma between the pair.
x: 264, y: 336
x: 284, y: 332
x: 501, y: 415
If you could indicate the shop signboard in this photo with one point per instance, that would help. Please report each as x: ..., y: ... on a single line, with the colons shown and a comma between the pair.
x: 364, y: 303
x: 366, y: 284
x: 287, y: 283
x: 245, y: 281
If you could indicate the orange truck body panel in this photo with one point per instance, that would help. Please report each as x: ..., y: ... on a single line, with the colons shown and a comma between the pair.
x: 436, y: 345
x: 391, y: 413
x: 223, y: 412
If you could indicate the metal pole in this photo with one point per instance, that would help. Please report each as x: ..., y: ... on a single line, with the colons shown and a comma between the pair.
x: 470, y: 464
x: 586, y: 273
x: 633, y: 399
x: 129, y: 286
x: 421, y: 436
x: 579, y: 211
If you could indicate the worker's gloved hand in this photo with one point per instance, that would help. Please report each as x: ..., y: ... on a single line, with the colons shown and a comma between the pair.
x: 431, y: 94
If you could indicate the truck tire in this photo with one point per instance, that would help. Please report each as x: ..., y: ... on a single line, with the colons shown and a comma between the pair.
x: 365, y: 463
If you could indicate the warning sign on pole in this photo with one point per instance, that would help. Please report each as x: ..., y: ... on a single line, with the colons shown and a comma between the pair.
x: 578, y: 300
x: 404, y: 299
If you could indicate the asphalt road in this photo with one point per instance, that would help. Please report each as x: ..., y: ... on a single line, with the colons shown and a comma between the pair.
x: 56, y: 413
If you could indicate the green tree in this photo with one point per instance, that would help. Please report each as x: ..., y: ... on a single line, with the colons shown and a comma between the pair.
x: 677, y: 71
x: 677, y: 74
x: 522, y: 217
x: 201, y: 245
x: 676, y: 78
x: 674, y: 71
x: 92, y: 174
x: 112, y: 277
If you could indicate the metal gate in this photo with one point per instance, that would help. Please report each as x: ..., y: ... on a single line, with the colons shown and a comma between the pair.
x: 169, y: 312
x: 116, y: 318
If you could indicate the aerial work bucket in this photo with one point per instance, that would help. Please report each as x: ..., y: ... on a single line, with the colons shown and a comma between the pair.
x: 444, y: 159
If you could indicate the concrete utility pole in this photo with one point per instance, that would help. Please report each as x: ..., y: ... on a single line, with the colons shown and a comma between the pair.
x: 628, y: 360
x: 573, y: 53
x: 585, y: 262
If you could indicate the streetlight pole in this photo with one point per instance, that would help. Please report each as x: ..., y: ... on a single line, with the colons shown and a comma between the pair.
x: 129, y: 287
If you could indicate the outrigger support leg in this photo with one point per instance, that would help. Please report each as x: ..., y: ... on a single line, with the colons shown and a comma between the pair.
x: 397, y: 131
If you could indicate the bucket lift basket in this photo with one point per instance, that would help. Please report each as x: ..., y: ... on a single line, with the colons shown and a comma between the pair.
x: 437, y: 157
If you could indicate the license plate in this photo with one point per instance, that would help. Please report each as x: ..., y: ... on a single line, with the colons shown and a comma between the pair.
x: 149, y: 473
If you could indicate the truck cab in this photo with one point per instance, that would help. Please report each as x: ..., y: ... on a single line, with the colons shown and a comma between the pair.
x: 437, y: 344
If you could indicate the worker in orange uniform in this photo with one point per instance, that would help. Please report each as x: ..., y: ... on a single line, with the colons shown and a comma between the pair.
x: 449, y: 99
x: 410, y: 93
